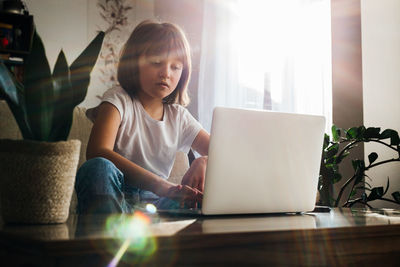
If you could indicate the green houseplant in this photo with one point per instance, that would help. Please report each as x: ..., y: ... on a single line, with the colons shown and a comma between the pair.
x: 39, y: 171
x: 337, y: 148
x: 43, y: 103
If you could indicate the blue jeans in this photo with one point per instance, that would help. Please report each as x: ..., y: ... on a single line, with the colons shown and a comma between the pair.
x: 100, y: 187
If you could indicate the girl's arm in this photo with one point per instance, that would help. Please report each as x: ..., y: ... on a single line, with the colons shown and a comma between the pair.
x: 101, y: 144
x: 201, y: 142
x: 195, y: 176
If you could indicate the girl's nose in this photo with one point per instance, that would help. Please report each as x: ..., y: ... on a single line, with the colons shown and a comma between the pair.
x: 164, y: 71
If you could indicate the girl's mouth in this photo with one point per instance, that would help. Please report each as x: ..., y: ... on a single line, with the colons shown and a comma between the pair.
x: 162, y: 84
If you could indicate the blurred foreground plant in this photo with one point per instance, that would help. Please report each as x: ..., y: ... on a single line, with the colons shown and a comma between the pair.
x: 339, y: 147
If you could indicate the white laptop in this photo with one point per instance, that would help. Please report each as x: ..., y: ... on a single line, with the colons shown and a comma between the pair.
x: 262, y: 162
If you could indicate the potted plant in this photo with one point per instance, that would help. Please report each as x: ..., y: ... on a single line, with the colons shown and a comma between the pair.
x: 38, y: 172
x: 337, y: 148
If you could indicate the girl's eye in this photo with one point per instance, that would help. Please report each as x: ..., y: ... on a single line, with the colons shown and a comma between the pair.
x: 176, y: 67
x: 154, y: 60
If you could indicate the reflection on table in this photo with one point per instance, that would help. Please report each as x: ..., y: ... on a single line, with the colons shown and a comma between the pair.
x: 340, y: 237
x: 103, y: 226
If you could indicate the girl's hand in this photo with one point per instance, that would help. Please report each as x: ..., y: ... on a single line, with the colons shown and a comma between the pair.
x: 194, y: 177
x: 185, y: 195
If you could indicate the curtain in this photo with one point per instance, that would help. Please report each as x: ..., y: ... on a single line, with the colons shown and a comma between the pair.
x: 266, y: 54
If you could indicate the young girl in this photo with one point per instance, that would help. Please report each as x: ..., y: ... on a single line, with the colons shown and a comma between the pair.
x: 140, y: 125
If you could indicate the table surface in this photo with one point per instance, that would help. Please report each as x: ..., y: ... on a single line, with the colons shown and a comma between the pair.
x: 356, y: 235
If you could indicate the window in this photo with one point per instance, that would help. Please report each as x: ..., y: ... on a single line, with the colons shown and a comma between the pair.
x: 261, y: 54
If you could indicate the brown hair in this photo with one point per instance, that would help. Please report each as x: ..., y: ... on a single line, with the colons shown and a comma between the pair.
x: 150, y: 38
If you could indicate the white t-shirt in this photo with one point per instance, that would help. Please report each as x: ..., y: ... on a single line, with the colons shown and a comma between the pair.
x: 150, y: 143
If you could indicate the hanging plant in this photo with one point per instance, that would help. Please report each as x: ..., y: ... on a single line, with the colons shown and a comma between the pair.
x: 338, y: 148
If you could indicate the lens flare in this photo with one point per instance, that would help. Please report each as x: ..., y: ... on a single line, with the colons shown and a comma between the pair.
x: 150, y: 208
x: 119, y: 254
x: 135, y: 237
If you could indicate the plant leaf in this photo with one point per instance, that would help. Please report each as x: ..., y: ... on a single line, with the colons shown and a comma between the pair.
x: 82, y: 67
x: 326, y: 141
x: 372, y: 132
x: 396, y: 196
x: 329, y: 160
x: 376, y: 193
x: 62, y: 115
x: 392, y: 134
x: 352, y: 133
x: 354, y: 164
x: 386, y: 134
x: 387, y: 187
x: 372, y: 157
x: 8, y: 84
x: 364, y: 197
x: 38, y: 89
x: 332, y: 150
x: 330, y: 166
x: 335, y: 133
x: 357, y: 164
x: 359, y: 178
x: 336, y: 177
x: 394, y: 138
x: 14, y: 94
x: 359, y: 168
x: 361, y: 132
x: 342, y: 156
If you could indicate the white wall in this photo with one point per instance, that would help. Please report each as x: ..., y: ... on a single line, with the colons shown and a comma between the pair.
x: 380, y: 22
x: 58, y: 28
x: 71, y: 25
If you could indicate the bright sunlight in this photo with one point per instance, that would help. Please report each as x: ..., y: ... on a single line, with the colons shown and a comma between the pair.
x: 284, y: 51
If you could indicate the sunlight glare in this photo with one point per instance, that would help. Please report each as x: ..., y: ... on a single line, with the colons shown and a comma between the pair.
x: 135, y: 234
x: 286, y: 43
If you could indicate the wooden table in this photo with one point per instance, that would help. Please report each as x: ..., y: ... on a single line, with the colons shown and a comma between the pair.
x: 341, y: 237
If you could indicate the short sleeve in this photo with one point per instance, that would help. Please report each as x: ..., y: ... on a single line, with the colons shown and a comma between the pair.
x: 115, y: 96
x: 190, y: 128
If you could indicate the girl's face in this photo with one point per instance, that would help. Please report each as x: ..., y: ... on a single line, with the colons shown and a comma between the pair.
x: 159, y: 75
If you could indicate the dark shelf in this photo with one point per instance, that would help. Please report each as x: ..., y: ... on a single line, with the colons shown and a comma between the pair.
x: 12, y: 62
x: 13, y: 52
x: 21, y: 29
